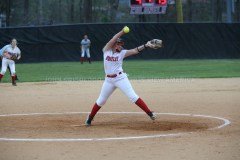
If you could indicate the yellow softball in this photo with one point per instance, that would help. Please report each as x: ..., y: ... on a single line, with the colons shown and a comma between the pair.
x: 126, y: 29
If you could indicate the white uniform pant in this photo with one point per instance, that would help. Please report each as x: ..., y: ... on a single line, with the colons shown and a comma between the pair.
x: 85, y: 50
x: 110, y: 84
x: 7, y: 62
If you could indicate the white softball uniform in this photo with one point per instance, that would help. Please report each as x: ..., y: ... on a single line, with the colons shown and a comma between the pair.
x: 85, y: 43
x: 8, y: 62
x: 113, y: 66
x: 3, y: 49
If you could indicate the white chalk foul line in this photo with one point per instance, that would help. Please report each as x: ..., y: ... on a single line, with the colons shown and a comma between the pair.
x: 225, y: 123
x: 88, y: 139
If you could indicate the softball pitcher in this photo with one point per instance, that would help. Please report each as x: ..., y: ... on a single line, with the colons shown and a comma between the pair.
x: 10, y: 53
x: 113, y: 54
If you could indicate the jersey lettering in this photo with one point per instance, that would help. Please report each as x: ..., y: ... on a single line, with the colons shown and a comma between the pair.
x: 108, y: 58
x: 11, y: 53
x: 113, y: 61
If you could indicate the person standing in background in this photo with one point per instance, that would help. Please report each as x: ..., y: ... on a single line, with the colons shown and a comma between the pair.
x: 1, y: 57
x: 85, y: 48
x: 10, y: 54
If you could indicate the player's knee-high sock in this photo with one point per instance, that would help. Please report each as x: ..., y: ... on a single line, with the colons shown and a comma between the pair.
x: 89, y: 60
x: 1, y: 77
x: 81, y: 60
x: 143, y: 106
x: 13, y: 80
x: 94, y: 111
x: 16, y: 77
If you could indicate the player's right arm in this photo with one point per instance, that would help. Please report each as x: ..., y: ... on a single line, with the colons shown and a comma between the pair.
x: 110, y: 44
x: 3, y: 49
x: 6, y: 54
x: 81, y: 44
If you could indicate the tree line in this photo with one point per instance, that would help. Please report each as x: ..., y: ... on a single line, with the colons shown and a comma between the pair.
x: 53, y: 12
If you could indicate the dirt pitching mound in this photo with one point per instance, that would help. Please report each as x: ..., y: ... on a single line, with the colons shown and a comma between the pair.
x: 104, y: 125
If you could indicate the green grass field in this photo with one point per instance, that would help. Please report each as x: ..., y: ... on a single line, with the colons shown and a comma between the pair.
x: 74, y: 71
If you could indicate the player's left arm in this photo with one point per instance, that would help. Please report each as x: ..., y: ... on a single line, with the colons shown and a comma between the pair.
x: 18, y: 54
x: 135, y: 50
x: 154, y: 44
x: 89, y: 44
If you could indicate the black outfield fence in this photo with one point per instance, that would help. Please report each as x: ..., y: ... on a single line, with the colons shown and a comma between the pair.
x: 181, y: 41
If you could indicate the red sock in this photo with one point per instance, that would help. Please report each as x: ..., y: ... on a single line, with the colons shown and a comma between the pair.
x: 1, y: 76
x: 94, y: 111
x: 142, y: 105
x: 13, y: 79
x: 81, y: 59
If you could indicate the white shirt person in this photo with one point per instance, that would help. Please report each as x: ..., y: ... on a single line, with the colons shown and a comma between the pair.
x: 7, y: 52
x: 85, y: 49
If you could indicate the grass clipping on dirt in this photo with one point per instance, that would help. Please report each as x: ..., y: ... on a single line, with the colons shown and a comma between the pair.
x: 157, y: 69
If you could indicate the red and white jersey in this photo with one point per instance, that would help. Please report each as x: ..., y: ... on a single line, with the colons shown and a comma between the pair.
x: 113, y: 61
x: 13, y: 51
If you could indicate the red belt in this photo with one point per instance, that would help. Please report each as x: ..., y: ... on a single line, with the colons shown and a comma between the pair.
x: 113, y: 75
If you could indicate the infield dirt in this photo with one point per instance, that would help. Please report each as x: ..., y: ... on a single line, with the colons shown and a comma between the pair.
x: 215, y: 97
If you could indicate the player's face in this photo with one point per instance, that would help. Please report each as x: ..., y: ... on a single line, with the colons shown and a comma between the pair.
x: 85, y: 37
x: 118, y: 47
x: 14, y: 42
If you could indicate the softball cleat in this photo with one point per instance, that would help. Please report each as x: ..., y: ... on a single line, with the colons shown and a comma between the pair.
x: 88, y: 121
x: 152, y: 115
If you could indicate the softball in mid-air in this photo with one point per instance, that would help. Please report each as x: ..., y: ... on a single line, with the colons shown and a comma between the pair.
x: 126, y: 29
